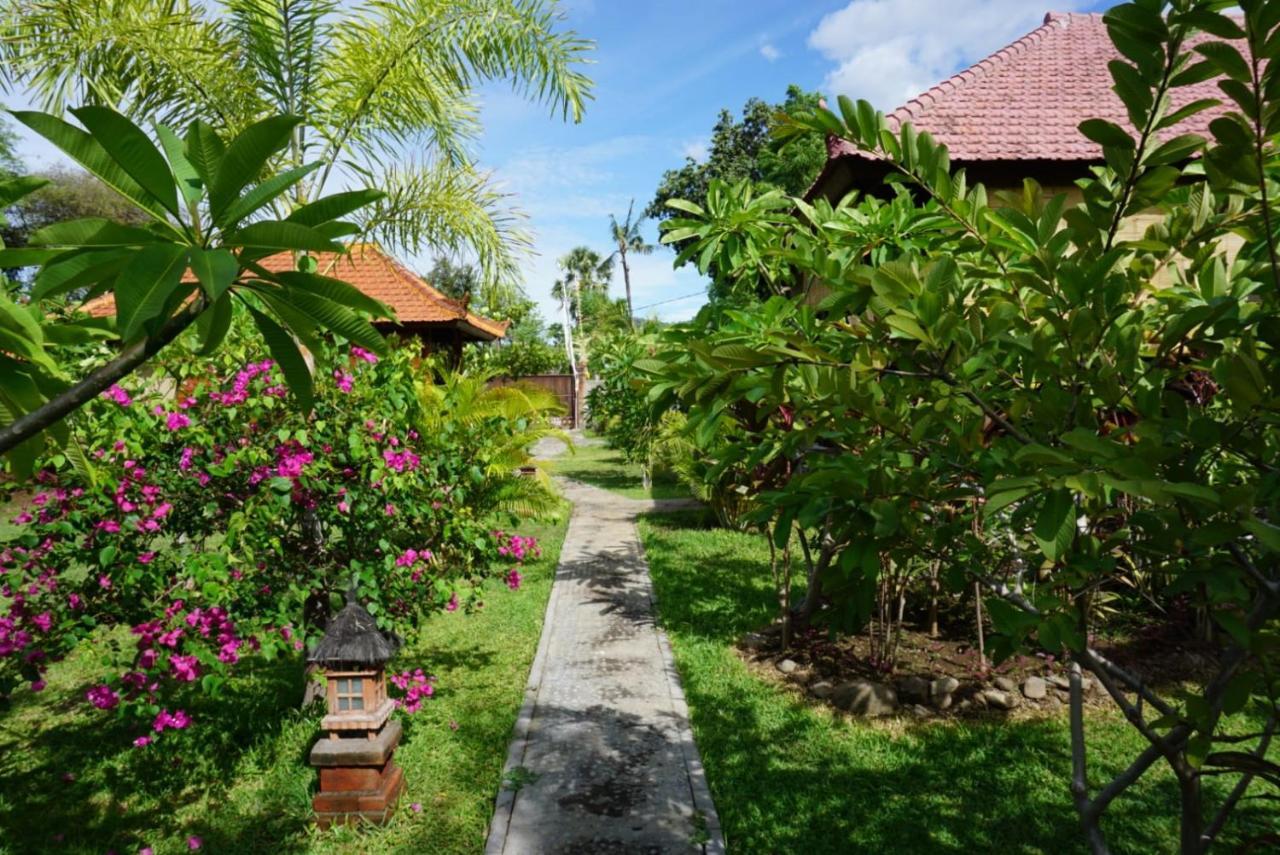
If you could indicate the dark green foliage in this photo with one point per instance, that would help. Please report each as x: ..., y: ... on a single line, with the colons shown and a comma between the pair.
x: 744, y: 150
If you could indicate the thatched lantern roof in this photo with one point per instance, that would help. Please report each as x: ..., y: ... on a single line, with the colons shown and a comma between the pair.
x: 352, y: 638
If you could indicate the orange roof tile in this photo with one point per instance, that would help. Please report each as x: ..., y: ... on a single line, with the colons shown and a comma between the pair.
x: 377, y: 274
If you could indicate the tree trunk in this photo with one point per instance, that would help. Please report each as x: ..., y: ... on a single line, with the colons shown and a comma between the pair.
x: 626, y: 279
x: 934, y: 586
x: 1192, y: 805
x: 982, y: 641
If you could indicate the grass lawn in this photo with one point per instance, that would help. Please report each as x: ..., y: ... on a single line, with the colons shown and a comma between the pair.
x: 788, y: 776
x: 601, y: 466
x: 241, y: 782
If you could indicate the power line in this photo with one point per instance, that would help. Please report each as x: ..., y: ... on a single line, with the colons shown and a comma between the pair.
x: 673, y: 300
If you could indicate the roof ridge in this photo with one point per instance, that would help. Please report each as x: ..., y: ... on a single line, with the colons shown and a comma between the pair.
x: 906, y: 112
x: 421, y: 284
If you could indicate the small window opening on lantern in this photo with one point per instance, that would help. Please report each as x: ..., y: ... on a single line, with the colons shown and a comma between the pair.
x: 351, y: 694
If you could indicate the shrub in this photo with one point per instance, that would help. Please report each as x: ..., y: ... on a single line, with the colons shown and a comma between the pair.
x: 218, y: 523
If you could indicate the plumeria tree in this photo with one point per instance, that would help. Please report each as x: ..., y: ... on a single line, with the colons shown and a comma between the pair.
x: 1052, y: 401
x: 386, y: 92
x: 208, y: 202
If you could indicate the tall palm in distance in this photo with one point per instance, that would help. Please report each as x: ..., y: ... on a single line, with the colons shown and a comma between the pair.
x: 585, y: 272
x: 386, y: 89
x: 627, y: 238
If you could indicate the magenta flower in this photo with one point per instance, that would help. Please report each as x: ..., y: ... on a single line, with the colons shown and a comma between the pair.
x: 177, y: 421
x: 103, y: 697
x: 142, y: 742
x: 360, y: 353
x: 146, y: 557
x: 120, y: 396
x: 194, y: 842
x: 184, y: 668
x: 38, y: 685
x: 344, y: 380
x: 452, y: 605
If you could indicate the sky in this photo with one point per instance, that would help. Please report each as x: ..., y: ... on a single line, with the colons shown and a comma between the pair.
x: 663, y: 69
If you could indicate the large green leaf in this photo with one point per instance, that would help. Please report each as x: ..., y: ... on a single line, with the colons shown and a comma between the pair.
x: 336, y: 318
x: 189, y: 182
x: 205, y: 151
x: 72, y: 270
x: 284, y: 350
x: 262, y: 194
x: 145, y: 285
x: 13, y: 189
x: 212, y: 325
x: 334, y: 207
x: 245, y: 158
x: 129, y: 147
x: 216, y: 269
x: 280, y: 235
x: 89, y: 153
x: 335, y: 290
x: 92, y: 231
x: 1056, y: 524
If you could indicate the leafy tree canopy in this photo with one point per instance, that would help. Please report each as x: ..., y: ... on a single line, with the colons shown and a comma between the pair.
x: 744, y: 149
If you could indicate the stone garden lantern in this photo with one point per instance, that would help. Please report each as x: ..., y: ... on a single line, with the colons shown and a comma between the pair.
x: 359, y: 780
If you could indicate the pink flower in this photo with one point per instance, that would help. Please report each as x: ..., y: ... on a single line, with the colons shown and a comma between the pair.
x: 165, y: 720
x: 177, y: 421
x: 38, y: 685
x: 389, y: 510
x: 360, y: 353
x: 104, y: 582
x: 344, y: 380
x: 184, y: 668
x: 120, y: 396
x: 452, y: 605
x: 194, y: 842
x: 103, y: 697
x: 44, y: 620
x: 513, y: 579
x: 416, y: 807
x: 142, y: 742
x: 146, y: 557
x: 343, y: 507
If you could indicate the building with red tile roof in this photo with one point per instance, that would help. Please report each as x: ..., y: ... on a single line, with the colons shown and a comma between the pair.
x: 420, y: 310
x: 1017, y: 113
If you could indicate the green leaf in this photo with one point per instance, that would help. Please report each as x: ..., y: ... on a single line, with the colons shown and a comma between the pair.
x: 13, y: 189
x: 334, y: 207
x: 1267, y: 534
x: 189, y: 183
x: 204, y: 151
x: 1227, y: 59
x: 26, y: 257
x: 72, y: 270
x: 89, y: 153
x: 128, y: 146
x: 144, y: 285
x: 245, y: 159
x: 212, y: 325
x: 216, y: 269
x: 336, y: 290
x: 337, y: 318
x: 264, y: 193
x: 284, y: 350
x: 1106, y: 133
x: 1055, y: 526
x: 281, y: 235
x: 92, y: 231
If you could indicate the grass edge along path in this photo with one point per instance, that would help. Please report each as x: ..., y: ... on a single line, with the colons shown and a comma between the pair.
x: 70, y: 782
x: 790, y: 776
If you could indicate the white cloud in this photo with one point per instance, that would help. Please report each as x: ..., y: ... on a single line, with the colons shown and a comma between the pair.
x: 695, y: 149
x: 888, y: 51
x: 769, y: 52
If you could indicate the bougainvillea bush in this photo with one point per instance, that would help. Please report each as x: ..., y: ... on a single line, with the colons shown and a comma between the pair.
x: 217, y: 523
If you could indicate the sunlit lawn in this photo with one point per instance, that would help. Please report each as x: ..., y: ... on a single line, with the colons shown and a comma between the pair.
x: 790, y: 777
x: 70, y: 782
x: 601, y: 466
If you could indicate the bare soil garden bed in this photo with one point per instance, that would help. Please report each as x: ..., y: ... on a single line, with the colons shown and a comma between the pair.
x: 946, y: 676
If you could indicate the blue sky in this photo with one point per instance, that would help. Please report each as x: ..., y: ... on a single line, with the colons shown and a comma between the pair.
x: 664, y: 68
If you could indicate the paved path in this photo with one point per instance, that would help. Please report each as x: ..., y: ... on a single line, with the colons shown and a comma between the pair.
x: 602, y: 750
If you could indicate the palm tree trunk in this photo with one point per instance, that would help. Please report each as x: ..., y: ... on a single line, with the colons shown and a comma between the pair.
x: 626, y: 278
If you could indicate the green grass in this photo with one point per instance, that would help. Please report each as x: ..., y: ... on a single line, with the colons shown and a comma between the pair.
x: 789, y: 776
x: 601, y: 466
x: 241, y: 781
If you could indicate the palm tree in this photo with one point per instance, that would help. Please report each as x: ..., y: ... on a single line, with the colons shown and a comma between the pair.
x: 585, y: 272
x: 627, y: 238
x: 386, y: 89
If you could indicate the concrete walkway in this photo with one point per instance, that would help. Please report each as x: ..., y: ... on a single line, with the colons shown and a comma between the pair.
x: 602, y: 759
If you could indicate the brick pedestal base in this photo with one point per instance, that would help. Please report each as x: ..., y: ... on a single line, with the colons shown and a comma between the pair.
x: 359, y: 778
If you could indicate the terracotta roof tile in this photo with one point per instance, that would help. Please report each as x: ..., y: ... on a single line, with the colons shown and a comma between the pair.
x: 381, y: 277
x: 1027, y: 100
